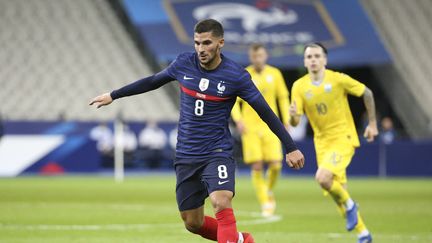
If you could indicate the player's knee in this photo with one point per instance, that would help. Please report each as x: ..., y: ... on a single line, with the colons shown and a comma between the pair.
x: 257, y: 166
x: 276, y: 165
x: 324, y: 178
x: 221, y: 202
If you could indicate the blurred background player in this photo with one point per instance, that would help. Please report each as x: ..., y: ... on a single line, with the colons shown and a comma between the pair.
x: 204, y: 165
x: 1, y: 126
x: 388, y: 133
x: 260, y: 144
x: 104, y: 138
x: 152, y: 142
x: 129, y: 144
x: 322, y: 96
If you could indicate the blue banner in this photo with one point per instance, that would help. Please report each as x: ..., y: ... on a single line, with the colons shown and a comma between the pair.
x: 77, y: 151
x: 284, y: 26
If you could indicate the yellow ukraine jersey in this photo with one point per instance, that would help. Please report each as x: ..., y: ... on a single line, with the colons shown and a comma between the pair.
x: 272, y: 86
x: 326, y: 106
x: 258, y: 141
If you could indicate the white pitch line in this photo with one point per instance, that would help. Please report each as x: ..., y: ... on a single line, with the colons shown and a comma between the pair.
x: 123, y: 227
x: 259, y: 219
x: 334, y: 235
x: 266, y: 220
x: 97, y: 227
x: 348, y: 235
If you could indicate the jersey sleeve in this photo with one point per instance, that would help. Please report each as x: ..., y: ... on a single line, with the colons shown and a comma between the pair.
x: 143, y: 85
x: 282, y: 97
x: 296, y: 97
x: 273, y: 122
x: 247, y: 89
x: 352, y: 86
x: 172, y: 69
x: 249, y: 92
x: 236, y: 111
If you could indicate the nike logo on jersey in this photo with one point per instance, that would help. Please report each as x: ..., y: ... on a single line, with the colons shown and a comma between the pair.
x: 222, y: 182
x: 187, y: 78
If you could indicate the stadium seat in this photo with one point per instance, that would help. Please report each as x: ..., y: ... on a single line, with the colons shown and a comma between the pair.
x: 408, y: 44
x: 58, y: 54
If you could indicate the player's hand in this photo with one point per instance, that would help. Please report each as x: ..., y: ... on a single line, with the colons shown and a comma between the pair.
x: 102, y: 100
x: 293, y: 109
x: 241, y: 127
x: 295, y: 159
x: 371, y: 132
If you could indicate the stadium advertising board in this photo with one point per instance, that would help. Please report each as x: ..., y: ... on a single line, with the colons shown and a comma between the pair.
x: 283, y: 26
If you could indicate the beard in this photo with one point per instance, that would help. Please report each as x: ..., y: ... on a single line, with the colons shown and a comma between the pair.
x: 207, y: 60
x: 210, y: 57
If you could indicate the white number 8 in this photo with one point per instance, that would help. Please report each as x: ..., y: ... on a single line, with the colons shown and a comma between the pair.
x: 223, y: 173
x: 199, y: 107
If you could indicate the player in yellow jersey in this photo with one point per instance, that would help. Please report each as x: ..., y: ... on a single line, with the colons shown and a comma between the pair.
x: 260, y: 145
x: 322, y: 96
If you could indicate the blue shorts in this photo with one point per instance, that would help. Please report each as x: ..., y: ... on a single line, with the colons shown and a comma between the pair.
x: 197, y: 178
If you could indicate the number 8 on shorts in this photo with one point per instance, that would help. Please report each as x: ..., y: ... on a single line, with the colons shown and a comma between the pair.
x: 223, y: 173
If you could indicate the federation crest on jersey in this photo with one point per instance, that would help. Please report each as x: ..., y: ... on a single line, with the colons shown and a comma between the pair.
x: 327, y: 88
x: 203, y: 84
x: 221, y: 88
x: 308, y: 94
x: 269, y: 79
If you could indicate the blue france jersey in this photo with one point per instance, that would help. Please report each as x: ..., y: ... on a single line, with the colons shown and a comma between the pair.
x: 206, y: 100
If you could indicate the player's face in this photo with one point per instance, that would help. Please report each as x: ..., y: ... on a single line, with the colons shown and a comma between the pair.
x: 315, y: 59
x: 208, y: 47
x: 258, y: 58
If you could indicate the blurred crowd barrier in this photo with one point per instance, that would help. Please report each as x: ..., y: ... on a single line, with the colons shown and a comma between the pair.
x: 87, y: 147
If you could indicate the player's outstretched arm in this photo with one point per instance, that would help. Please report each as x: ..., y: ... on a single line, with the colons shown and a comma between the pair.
x: 372, y: 129
x: 137, y: 87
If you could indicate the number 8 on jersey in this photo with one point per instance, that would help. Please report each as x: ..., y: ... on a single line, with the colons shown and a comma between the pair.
x: 199, y: 107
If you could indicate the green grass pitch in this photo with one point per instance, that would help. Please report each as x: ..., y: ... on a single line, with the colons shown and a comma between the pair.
x: 143, y: 209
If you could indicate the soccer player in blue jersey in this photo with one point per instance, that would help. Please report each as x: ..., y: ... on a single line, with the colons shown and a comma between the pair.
x: 204, y: 166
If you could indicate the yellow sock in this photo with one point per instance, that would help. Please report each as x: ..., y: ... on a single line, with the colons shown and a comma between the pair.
x: 260, y: 186
x: 273, y: 173
x: 341, y: 209
x: 360, y: 227
x: 339, y: 194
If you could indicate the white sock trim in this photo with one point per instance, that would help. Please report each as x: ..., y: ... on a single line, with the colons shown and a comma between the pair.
x: 240, y: 239
x: 349, y: 204
x: 363, y: 233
